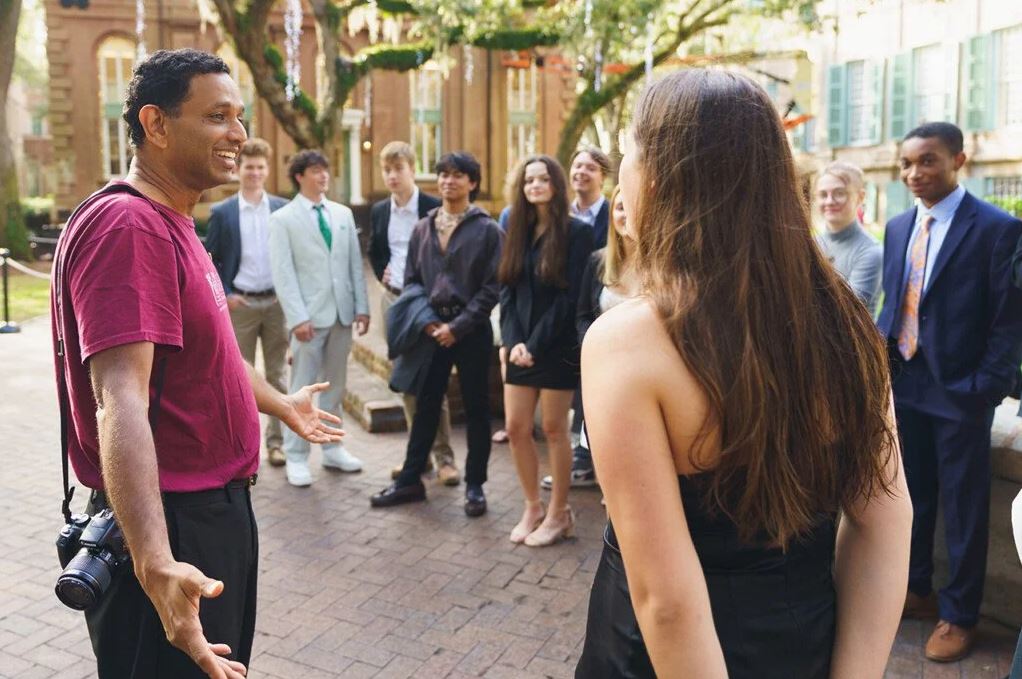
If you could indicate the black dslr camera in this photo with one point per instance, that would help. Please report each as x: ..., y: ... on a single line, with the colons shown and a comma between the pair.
x: 90, y: 549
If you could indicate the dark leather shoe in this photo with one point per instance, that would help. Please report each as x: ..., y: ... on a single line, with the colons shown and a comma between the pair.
x: 394, y: 495
x: 475, y: 501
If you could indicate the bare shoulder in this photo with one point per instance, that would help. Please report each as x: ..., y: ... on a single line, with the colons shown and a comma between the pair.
x: 632, y: 330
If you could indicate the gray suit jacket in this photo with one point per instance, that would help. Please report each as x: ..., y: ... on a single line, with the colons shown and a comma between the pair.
x: 313, y: 283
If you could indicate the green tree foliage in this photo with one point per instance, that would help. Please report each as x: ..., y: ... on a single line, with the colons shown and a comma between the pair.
x: 614, y: 43
x: 425, y: 27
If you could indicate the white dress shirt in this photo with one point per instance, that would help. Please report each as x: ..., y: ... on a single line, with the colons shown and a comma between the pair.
x: 942, y: 213
x: 254, y: 273
x: 588, y: 215
x: 399, y: 232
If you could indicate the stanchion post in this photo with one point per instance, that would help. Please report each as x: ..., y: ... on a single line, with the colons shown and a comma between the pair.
x: 7, y: 326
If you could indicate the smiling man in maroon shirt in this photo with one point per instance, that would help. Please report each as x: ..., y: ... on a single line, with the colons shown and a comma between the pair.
x: 140, y: 298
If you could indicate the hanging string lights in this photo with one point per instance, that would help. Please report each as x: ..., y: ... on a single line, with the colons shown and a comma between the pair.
x: 292, y: 46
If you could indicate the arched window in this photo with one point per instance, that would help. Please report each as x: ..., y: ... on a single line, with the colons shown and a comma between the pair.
x: 242, y: 76
x: 115, y: 59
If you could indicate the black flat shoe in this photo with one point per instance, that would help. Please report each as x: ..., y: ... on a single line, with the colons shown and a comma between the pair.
x: 394, y: 495
x: 475, y: 501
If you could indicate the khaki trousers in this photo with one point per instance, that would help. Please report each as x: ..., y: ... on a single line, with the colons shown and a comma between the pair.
x: 441, y: 452
x: 262, y: 320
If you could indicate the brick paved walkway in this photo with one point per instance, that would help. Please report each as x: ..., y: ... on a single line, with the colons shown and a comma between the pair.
x: 419, y: 591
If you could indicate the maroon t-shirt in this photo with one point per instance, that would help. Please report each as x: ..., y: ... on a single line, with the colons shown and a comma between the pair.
x: 135, y: 271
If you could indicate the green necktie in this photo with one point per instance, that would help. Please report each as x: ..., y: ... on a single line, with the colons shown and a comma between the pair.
x: 324, y: 228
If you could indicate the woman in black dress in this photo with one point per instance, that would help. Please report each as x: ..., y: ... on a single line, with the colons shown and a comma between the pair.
x: 740, y: 418
x: 540, y: 272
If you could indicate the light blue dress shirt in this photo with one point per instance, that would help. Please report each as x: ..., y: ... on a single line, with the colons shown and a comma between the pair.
x: 942, y: 213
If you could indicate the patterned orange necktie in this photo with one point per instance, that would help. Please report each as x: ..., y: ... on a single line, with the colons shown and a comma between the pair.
x: 908, y: 336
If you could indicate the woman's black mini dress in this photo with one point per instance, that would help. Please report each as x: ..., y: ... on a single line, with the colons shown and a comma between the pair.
x: 774, y: 612
x: 542, y: 316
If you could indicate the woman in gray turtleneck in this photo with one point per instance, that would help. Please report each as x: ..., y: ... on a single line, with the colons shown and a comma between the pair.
x: 856, y: 255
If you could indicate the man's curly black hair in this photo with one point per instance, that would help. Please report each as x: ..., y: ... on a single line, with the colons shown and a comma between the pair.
x: 163, y: 80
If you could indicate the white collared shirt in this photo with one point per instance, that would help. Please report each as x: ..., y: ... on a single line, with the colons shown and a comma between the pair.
x: 943, y: 213
x: 399, y: 232
x: 254, y: 273
x: 589, y: 214
x: 310, y: 210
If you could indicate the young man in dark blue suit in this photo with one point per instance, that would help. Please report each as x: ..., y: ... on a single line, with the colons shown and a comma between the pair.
x: 953, y: 321
x: 238, y: 242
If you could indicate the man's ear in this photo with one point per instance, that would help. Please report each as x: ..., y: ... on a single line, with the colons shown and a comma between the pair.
x: 154, y: 123
x: 960, y: 161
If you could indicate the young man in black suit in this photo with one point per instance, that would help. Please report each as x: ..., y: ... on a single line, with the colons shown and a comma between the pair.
x: 238, y: 241
x: 953, y: 321
x: 392, y: 221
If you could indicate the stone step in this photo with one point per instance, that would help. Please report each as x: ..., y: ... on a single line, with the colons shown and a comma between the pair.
x: 370, y: 402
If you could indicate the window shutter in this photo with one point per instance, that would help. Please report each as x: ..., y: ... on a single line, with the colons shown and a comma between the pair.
x: 837, y: 111
x: 978, y: 89
x: 898, y: 199
x: 876, y: 69
x: 900, y: 97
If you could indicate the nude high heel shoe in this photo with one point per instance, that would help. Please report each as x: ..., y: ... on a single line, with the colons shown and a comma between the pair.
x: 522, y: 531
x: 544, y: 537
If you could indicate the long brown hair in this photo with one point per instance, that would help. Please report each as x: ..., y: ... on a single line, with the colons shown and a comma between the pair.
x: 522, y: 223
x: 794, y: 370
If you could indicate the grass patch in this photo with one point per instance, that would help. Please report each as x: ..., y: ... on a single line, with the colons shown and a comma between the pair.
x: 29, y: 297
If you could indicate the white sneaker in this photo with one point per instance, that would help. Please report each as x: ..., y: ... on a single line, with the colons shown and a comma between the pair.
x: 298, y: 473
x: 339, y: 458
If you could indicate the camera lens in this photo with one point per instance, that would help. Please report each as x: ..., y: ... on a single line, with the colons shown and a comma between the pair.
x: 83, y: 581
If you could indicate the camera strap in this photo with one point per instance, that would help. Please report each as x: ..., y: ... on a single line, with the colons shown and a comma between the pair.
x: 63, y: 394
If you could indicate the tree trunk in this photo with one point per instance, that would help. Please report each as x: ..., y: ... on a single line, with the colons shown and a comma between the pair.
x: 12, y: 234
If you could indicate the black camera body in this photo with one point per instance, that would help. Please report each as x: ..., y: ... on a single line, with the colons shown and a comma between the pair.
x: 90, y: 549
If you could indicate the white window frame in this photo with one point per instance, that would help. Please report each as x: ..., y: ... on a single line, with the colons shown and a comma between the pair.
x: 862, y: 103
x: 929, y: 95
x: 426, y: 121
x: 522, y: 99
x: 114, y: 50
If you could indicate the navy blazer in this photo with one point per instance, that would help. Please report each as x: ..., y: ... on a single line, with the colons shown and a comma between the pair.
x: 223, y: 238
x: 970, y: 314
x: 600, y: 226
x: 379, y: 220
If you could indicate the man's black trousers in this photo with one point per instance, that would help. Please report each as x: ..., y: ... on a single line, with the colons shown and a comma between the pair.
x: 213, y: 530
x: 471, y: 354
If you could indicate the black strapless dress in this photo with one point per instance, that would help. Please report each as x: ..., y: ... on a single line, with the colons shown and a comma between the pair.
x: 774, y: 612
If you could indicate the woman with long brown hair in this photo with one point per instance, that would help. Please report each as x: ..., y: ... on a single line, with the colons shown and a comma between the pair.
x: 540, y: 272
x: 740, y: 419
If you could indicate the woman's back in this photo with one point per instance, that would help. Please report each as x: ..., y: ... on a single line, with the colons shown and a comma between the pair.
x: 773, y: 611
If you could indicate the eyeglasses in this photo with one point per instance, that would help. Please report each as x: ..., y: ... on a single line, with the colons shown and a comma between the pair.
x: 837, y: 195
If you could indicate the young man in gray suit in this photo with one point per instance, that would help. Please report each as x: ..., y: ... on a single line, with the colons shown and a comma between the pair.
x: 239, y: 243
x: 317, y: 273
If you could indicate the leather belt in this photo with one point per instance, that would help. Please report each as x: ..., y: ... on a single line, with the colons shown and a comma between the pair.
x: 392, y: 290
x: 270, y: 292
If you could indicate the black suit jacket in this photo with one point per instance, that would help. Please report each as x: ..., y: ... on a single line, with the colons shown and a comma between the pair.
x: 970, y: 314
x: 379, y: 220
x: 223, y: 238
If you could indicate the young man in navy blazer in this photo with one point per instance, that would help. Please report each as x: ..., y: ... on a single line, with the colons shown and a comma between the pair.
x: 392, y: 221
x: 238, y: 241
x: 953, y: 321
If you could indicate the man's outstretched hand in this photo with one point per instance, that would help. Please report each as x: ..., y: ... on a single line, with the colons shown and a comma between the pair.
x: 306, y: 420
x: 175, y: 588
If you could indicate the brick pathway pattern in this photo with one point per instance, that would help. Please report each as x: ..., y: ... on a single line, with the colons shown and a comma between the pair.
x: 344, y: 591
